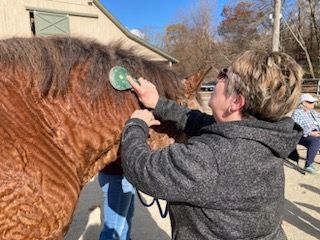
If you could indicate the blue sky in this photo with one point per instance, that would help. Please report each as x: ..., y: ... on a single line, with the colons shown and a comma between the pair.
x: 137, y: 14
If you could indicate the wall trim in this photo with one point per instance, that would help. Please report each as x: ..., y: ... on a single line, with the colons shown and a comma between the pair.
x: 47, y: 10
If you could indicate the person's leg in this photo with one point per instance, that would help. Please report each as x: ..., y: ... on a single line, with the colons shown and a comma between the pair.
x: 117, y: 202
x: 294, y: 155
x: 127, y: 187
x: 313, y: 145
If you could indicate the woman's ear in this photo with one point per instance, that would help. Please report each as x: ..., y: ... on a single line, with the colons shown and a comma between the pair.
x: 237, y: 103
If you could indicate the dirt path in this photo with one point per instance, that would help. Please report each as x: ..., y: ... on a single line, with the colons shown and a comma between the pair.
x: 301, y: 215
x: 302, y: 206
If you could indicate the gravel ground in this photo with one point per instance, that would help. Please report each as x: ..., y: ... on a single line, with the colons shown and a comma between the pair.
x: 301, y: 219
x: 301, y: 216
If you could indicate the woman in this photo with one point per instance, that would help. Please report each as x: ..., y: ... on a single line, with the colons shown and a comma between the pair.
x: 227, y: 181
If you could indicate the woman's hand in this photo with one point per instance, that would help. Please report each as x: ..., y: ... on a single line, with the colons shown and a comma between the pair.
x: 314, y: 134
x: 146, y: 92
x: 145, y: 115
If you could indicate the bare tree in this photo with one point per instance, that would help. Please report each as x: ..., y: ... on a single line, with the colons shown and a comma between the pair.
x: 300, y: 27
x: 315, y: 32
x: 276, y: 26
x: 244, y: 26
x: 192, y: 40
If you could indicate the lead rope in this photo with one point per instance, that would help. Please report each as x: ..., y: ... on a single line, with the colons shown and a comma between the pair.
x: 162, y: 214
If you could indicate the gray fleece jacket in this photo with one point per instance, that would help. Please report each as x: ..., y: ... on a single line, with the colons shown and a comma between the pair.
x: 227, y: 182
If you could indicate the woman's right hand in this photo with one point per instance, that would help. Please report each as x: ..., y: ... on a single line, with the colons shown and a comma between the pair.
x: 146, y: 92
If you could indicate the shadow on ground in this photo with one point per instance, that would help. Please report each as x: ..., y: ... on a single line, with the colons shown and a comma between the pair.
x: 86, y: 220
x: 302, y: 220
x: 86, y: 223
x: 310, y: 188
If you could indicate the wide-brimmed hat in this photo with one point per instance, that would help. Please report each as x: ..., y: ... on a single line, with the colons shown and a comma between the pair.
x: 307, y: 97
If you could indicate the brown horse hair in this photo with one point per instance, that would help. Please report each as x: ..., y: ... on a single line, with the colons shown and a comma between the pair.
x: 50, y: 60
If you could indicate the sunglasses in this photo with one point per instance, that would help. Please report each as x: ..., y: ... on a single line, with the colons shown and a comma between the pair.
x: 223, y: 74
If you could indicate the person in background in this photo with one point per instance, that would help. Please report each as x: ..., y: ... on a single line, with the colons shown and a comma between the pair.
x: 309, y: 120
x: 227, y: 181
x: 118, y: 202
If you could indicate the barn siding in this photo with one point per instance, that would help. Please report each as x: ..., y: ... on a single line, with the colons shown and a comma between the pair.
x: 15, y: 21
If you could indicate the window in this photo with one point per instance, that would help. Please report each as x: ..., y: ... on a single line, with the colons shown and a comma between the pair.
x: 33, y: 30
x: 46, y: 23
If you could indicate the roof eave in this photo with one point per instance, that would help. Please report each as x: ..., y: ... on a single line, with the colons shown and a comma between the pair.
x: 132, y: 36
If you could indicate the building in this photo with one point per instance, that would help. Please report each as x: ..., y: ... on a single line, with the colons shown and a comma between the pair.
x: 77, y: 18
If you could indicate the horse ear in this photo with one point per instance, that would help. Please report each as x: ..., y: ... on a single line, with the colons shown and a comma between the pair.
x: 192, y: 83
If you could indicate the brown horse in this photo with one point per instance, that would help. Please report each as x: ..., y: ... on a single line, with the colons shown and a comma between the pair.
x: 60, y: 123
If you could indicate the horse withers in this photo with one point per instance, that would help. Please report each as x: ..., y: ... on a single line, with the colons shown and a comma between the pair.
x: 61, y: 122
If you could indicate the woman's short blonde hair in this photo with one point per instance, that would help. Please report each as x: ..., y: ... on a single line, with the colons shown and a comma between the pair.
x: 269, y: 82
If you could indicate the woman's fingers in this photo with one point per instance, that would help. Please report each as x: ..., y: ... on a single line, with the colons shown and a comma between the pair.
x: 133, y: 83
x: 146, y: 92
x: 154, y: 123
x: 145, y: 115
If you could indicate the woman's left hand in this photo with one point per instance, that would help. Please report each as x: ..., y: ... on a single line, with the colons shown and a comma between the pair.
x: 146, y: 116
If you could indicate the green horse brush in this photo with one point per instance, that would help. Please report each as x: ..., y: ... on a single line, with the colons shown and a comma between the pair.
x: 118, y: 78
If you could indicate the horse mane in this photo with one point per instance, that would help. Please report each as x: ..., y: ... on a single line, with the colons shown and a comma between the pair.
x: 51, y: 60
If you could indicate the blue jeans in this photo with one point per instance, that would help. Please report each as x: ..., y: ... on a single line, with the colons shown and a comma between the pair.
x: 118, y: 206
x: 313, y: 145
